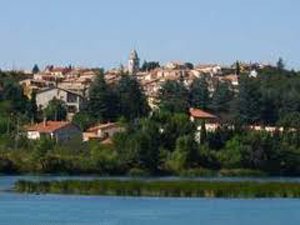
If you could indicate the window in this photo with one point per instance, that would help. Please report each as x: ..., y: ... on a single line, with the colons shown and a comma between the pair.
x: 72, y: 109
x: 71, y: 98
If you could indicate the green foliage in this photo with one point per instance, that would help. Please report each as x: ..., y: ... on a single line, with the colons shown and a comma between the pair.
x: 83, y: 120
x: 104, y: 158
x: 164, y: 142
x: 56, y: 110
x: 231, y: 156
x: 249, y: 100
x: 222, y: 98
x: 189, y: 65
x: 164, y: 188
x: 185, y: 155
x: 35, y: 69
x: 269, y: 97
x: 42, y: 147
x: 7, y: 165
x: 172, y: 127
x: 199, y: 94
x: 280, y: 64
x: 148, y: 66
x: 237, y: 68
x: 291, y: 120
x: 101, y: 105
x: 173, y: 97
x: 132, y: 101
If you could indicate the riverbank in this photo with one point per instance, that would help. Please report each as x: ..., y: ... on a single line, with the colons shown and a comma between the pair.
x: 162, y: 188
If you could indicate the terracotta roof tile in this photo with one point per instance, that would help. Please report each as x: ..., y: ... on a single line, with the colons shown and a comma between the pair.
x: 200, y: 114
x: 102, y: 126
x: 48, y: 127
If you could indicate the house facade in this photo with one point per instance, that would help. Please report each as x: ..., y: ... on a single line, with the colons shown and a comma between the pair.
x: 60, y: 131
x: 102, y: 131
x: 72, y: 100
x: 211, y: 121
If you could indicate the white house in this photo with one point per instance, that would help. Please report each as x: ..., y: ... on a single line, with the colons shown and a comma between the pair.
x: 211, y: 121
x: 102, y: 131
x: 60, y: 131
x: 72, y: 100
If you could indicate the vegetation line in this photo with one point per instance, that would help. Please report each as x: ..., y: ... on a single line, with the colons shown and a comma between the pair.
x: 163, y: 188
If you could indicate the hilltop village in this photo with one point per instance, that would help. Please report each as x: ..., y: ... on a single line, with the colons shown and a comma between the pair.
x: 74, y: 82
x: 147, y: 118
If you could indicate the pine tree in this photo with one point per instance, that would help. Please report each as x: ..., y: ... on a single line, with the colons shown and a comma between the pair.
x: 132, y: 101
x: 35, y: 69
x: 249, y: 101
x: 199, y: 94
x: 32, y: 108
x: 237, y: 68
x: 221, y: 98
x: 99, y: 105
x: 173, y: 97
x: 280, y: 64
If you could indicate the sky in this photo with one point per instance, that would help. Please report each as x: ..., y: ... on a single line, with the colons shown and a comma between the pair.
x: 101, y: 33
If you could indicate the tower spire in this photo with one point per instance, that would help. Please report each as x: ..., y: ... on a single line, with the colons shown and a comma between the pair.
x: 133, y: 62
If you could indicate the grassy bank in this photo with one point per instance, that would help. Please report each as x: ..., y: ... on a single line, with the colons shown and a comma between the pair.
x: 163, y: 188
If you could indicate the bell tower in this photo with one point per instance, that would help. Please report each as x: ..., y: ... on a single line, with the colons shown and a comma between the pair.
x: 133, y: 63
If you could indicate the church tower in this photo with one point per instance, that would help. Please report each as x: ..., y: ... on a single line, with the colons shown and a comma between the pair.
x: 133, y: 62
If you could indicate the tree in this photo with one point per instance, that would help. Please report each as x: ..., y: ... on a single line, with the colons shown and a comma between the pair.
x: 33, y: 109
x: 189, y: 65
x: 100, y: 104
x: 173, y: 126
x: 269, y: 110
x: 147, y: 142
x: 83, y: 120
x: 104, y: 158
x: 280, y: 64
x: 249, y: 101
x: 221, y: 98
x: 173, y: 97
x: 131, y: 99
x: 199, y: 94
x: 35, y: 69
x: 185, y: 155
x: 237, y: 68
x: 13, y: 94
x: 231, y: 156
x: 56, y: 110
x: 290, y: 120
x: 148, y: 66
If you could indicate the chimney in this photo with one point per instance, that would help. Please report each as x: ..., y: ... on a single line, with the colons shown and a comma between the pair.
x: 45, y: 121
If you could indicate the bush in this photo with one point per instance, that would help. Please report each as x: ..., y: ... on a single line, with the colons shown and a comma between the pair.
x: 137, y: 172
x: 241, y: 173
x: 6, y: 166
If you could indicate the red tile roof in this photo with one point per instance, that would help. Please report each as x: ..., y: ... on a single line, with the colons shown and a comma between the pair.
x: 48, y: 127
x: 102, y: 126
x: 200, y: 114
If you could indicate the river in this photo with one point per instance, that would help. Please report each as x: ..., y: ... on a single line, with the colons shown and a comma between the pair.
x: 21, y: 209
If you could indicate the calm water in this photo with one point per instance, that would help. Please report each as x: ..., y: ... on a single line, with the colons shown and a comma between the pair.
x: 17, y: 209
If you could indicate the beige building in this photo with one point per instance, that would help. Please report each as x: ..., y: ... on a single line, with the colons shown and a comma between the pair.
x: 102, y: 131
x: 72, y: 100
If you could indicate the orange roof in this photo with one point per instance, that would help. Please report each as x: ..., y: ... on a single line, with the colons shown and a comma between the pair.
x: 48, y: 127
x: 102, y: 126
x: 200, y: 114
x: 231, y: 77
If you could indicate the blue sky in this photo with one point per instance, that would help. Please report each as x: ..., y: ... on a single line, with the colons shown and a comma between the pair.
x: 102, y: 32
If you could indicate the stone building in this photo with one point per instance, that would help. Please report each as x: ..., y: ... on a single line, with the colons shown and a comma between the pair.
x: 133, y: 63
